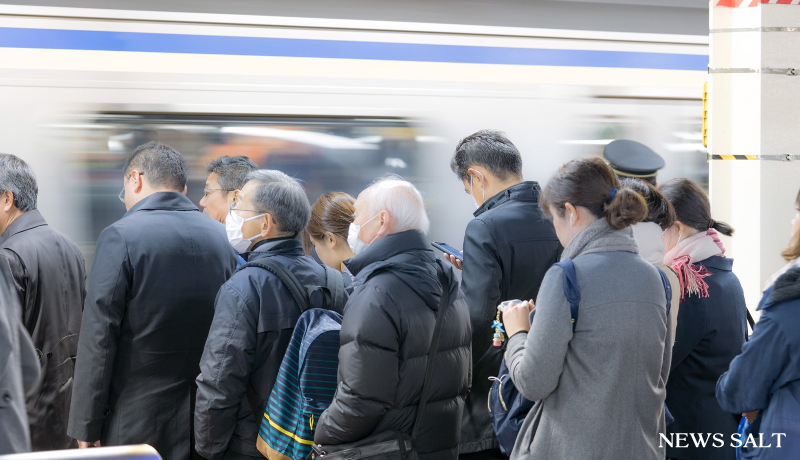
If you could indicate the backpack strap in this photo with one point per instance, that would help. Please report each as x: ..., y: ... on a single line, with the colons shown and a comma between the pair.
x: 571, y: 290
x: 667, y: 288
x: 297, y: 291
x: 434, y: 348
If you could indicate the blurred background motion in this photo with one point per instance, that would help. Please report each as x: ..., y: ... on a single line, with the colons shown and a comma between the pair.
x: 339, y: 93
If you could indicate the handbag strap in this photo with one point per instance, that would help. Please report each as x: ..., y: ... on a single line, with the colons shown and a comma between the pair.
x: 432, y: 351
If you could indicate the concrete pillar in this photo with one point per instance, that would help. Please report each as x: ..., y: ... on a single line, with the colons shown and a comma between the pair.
x: 754, y: 131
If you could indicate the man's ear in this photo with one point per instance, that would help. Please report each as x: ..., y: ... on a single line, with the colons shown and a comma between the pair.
x: 478, y: 177
x: 267, y: 225
x: 385, y: 218
x: 7, y: 200
x: 185, y: 189
x: 138, y: 181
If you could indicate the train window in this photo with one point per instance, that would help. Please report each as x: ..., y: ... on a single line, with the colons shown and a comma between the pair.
x: 326, y: 154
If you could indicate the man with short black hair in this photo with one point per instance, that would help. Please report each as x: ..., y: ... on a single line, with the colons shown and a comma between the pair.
x: 226, y: 176
x: 508, y: 247
x: 255, y: 315
x: 148, y: 309
x: 48, y: 277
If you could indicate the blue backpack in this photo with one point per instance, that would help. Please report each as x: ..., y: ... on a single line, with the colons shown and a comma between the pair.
x: 507, y: 407
x: 307, y: 377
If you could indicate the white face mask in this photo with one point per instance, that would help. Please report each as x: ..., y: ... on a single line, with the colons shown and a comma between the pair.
x: 472, y: 189
x: 233, y: 227
x: 355, y: 243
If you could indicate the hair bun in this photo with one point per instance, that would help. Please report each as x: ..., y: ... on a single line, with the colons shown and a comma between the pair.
x: 626, y: 208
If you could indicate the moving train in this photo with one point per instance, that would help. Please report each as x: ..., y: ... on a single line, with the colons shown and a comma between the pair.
x: 334, y: 102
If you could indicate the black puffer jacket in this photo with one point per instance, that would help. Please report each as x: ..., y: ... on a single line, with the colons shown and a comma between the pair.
x: 386, y: 334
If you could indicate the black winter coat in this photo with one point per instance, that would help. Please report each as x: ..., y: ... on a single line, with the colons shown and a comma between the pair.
x: 254, y: 318
x: 386, y: 334
x: 508, y: 248
x: 49, y: 277
x: 19, y: 371
x: 710, y: 333
x: 148, y: 309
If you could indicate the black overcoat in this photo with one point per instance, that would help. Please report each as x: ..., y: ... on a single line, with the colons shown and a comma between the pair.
x: 48, y: 276
x: 147, y: 314
x: 508, y: 247
x: 711, y: 331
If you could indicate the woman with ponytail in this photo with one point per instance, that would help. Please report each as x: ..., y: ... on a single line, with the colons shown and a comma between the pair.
x: 711, y: 322
x: 601, y: 384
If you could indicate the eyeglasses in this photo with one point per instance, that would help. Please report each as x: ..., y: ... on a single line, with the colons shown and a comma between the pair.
x: 234, y: 208
x: 121, y: 195
x: 207, y: 191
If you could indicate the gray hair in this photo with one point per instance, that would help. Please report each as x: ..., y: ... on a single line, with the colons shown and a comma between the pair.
x: 232, y: 171
x: 401, y: 200
x: 17, y: 177
x: 161, y: 165
x: 283, y: 198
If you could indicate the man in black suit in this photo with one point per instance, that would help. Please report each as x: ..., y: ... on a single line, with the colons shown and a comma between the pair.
x: 148, y: 310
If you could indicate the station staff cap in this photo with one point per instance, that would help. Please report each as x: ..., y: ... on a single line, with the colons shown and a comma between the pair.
x: 632, y: 159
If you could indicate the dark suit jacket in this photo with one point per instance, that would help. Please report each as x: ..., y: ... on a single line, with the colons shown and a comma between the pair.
x: 508, y: 248
x: 148, y: 310
x: 48, y: 276
x: 710, y: 333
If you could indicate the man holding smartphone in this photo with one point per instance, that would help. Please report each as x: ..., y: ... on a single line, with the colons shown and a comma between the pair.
x: 508, y: 247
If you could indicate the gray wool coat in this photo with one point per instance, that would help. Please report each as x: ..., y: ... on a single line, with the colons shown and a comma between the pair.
x: 601, y: 389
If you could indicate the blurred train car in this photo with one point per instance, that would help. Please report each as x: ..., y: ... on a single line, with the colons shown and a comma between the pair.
x: 334, y: 102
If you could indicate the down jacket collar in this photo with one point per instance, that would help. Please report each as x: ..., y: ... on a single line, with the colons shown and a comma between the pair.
x: 407, y: 256
x: 787, y: 287
x: 524, y: 191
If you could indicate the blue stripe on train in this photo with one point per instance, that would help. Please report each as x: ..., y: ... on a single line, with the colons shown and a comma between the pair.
x: 340, y: 49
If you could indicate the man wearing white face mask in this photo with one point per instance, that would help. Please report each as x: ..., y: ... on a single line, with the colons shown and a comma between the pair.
x: 386, y: 333
x: 508, y: 247
x: 255, y: 314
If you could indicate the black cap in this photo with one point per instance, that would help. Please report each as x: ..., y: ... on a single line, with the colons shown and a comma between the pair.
x: 632, y: 159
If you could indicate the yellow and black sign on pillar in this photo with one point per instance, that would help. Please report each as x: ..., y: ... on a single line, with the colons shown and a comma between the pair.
x: 705, y: 114
x: 734, y: 157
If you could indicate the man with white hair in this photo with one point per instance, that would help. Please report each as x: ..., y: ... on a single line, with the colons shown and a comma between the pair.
x: 387, y: 329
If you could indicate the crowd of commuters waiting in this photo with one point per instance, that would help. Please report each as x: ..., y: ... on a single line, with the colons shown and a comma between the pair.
x: 178, y: 338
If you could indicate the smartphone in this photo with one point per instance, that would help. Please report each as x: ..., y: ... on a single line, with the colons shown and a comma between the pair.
x: 508, y: 303
x: 447, y: 249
